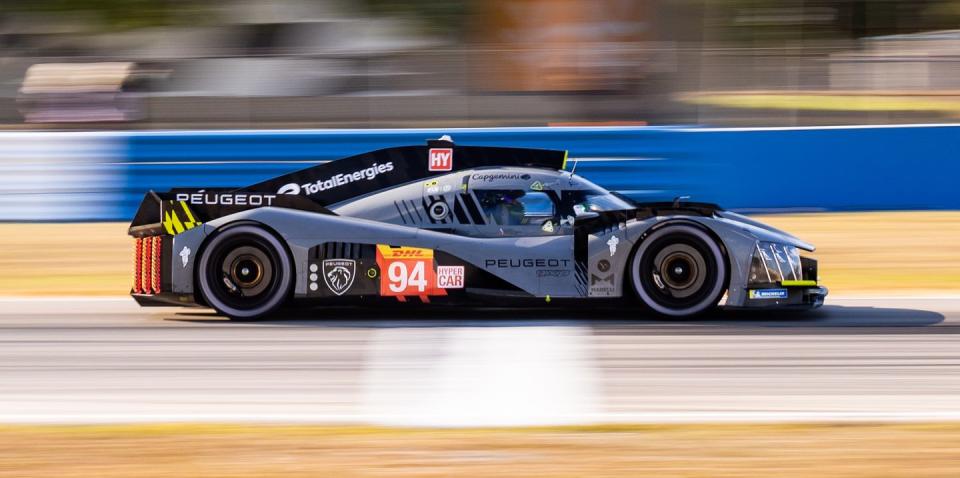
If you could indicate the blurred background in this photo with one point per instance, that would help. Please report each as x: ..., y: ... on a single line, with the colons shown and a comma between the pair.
x: 832, y: 118
x: 373, y: 63
x: 103, y: 100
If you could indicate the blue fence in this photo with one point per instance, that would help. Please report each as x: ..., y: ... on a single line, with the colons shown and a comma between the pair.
x: 87, y: 176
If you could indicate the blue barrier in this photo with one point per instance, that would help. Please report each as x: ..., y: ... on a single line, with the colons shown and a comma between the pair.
x: 839, y: 168
x: 60, y: 176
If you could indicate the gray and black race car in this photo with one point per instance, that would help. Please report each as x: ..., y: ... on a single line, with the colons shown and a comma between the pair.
x: 443, y: 223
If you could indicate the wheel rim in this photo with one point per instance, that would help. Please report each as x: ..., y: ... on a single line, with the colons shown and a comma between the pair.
x: 243, y: 273
x: 679, y: 271
x: 248, y: 269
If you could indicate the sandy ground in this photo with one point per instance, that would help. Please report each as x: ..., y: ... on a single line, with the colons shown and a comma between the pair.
x: 947, y: 102
x: 715, y: 451
x: 889, y: 252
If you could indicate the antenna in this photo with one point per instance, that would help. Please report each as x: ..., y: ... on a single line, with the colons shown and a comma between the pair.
x: 574, y: 168
x: 676, y: 201
x: 444, y: 141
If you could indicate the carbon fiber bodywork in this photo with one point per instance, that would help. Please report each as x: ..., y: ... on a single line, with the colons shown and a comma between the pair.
x: 344, y: 240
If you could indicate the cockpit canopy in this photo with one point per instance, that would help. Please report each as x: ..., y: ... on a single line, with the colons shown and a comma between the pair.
x: 490, y: 202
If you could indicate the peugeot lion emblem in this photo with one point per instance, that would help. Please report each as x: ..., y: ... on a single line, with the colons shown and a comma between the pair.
x: 339, y: 274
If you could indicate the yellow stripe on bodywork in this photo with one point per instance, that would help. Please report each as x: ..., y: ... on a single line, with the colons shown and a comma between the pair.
x: 798, y: 283
x: 191, y: 221
x: 172, y: 223
x: 564, y: 166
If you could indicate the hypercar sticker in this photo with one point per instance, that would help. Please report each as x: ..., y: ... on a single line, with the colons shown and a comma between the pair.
x: 450, y: 277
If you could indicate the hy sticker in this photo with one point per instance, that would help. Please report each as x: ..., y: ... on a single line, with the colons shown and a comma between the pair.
x: 441, y: 159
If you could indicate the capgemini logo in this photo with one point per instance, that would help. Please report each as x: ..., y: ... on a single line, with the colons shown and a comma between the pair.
x: 292, y: 188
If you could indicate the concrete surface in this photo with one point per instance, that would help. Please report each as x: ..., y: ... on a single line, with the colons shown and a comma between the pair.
x: 106, y: 360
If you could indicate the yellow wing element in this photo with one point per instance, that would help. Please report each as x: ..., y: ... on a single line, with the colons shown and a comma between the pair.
x: 172, y: 223
x: 404, y: 252
x: 798, y: 283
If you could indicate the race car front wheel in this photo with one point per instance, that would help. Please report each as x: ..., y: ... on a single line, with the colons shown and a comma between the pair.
x: 679, y: 271
x: 245, y: 272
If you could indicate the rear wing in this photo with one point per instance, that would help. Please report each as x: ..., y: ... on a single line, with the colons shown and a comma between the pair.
x: 355, y: 176
x: 317, y: 187
x: 183, y: 209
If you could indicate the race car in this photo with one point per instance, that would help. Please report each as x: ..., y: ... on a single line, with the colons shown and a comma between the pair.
x: 449, y: 224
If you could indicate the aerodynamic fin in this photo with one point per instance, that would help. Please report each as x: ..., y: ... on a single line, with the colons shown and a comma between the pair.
x: 354, y: 176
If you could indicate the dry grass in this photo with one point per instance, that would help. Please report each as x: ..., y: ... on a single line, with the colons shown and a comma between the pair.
x: 948, y: 104
x: 860, y: 252
x: 883, y: 252
x: 65, y: 259
x: 716, y: 451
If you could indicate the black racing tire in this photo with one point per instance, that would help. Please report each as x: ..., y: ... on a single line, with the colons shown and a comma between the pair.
x: 245, y: 273
x: 679, y: 271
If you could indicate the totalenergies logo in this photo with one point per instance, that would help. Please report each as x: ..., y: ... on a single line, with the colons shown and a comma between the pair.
x: 336, y: 180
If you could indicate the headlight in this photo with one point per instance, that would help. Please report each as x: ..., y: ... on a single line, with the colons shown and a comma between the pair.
x: 774, y: 263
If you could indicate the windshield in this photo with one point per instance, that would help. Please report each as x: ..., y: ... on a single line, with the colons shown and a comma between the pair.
x: 580, y: 201
x: 509, y: 207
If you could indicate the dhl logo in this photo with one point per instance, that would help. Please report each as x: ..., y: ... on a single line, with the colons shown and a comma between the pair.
x: 388, y: 252
x: 173, y: 223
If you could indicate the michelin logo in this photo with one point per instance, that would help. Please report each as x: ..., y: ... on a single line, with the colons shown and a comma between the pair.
x: 768, y: 294
x: 612, y: 244
x: 336, y: 180
x: 185, y: 256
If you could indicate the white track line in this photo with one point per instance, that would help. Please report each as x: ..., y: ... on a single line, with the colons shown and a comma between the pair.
x: 583, y: 420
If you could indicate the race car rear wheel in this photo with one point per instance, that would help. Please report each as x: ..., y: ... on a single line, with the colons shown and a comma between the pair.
x: 679, y: 271
x: 245, y: 272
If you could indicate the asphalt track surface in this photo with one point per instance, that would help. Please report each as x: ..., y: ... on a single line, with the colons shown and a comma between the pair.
x: 106, y: 360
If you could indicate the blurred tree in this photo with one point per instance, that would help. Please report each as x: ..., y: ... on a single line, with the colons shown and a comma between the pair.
x: 764, y: 21
x: 117, y: 14
x: 445, y: 17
